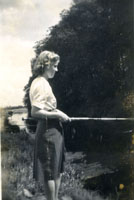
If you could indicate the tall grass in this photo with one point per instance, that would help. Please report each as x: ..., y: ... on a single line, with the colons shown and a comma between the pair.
x: 17, y: 165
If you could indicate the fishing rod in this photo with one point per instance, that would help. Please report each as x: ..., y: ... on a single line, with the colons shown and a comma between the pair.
x: 100, y: 119
x: 92, y: 118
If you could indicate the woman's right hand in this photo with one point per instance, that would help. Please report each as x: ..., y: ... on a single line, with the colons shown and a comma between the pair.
x: 62, y: 116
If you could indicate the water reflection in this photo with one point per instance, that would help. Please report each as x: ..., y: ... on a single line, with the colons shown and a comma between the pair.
x: 107, y: 148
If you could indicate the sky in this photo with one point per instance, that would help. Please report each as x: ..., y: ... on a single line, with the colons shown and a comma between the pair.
x: 22, y: 23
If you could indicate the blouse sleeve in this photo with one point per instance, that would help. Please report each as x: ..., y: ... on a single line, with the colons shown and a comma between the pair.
x: 39, y: 95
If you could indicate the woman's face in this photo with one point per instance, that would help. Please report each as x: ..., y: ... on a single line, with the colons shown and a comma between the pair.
x: 52, y: 69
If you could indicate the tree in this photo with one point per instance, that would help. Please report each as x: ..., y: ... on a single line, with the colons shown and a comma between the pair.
x: 94, y: 41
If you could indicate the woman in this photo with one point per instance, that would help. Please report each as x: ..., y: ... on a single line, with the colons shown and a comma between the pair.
x: 49, y: 147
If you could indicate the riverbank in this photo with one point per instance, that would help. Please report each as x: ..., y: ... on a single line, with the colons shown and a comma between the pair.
x: 17, y: 165
x: 94, y: 174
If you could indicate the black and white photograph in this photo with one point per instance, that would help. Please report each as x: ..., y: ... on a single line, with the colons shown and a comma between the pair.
x: 67, y: 99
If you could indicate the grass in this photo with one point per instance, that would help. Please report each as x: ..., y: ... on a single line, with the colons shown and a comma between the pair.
x: 17, y: 165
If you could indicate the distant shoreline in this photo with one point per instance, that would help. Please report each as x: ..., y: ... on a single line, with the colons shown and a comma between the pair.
x: 16, y: 109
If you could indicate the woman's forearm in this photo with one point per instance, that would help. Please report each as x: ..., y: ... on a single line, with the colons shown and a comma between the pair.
x: 43, y: 114
x: 54, y: 114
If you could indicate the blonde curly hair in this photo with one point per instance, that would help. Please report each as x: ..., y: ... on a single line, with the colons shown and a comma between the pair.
x: 44, y: 59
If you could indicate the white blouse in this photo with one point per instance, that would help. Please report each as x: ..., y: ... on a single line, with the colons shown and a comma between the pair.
x: 41, y: 94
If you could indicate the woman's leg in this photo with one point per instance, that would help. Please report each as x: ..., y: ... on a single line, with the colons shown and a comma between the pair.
x: 57, y: 186
x: 50, y: 189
